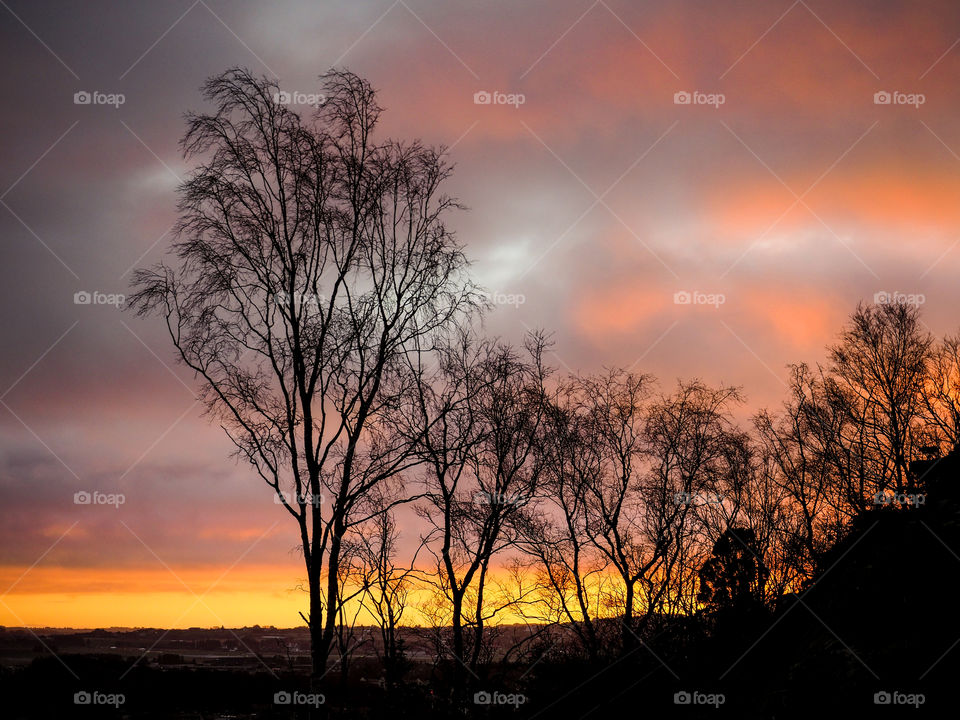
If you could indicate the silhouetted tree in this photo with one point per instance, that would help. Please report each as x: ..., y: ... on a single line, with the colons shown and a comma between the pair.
x: 310, y: 259
x: 880, y: 366
x: 808, y: 455
x: 482, y: 407
x: 386, y: 586
x: 941, y: 395
x: 733, y: 580
x: 569, y: 570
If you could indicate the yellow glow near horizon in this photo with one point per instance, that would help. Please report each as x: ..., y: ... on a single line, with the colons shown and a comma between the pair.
x: 111, y: 597
x: 187, y: 597
x: 207, y: 596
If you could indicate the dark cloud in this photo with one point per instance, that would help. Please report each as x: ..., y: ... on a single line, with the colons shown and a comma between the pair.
x: 700, y: 198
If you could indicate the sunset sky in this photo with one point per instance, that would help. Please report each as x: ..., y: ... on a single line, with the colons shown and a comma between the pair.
x: 594, y: 201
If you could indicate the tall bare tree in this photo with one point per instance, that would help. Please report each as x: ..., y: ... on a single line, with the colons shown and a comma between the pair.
x: 696, y: 458
x: 309, y: 260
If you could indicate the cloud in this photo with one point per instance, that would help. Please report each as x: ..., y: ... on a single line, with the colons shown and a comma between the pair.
x: 689, y: 201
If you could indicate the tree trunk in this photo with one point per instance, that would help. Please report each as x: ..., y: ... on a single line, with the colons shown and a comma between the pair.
x: 318, y: 650
x: 328, y: 615
x: 457, y: 627
x: 629, y: 640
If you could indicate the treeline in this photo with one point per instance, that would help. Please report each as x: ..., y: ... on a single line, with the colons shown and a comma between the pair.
x: 602, y: 508
x: 327, y: 311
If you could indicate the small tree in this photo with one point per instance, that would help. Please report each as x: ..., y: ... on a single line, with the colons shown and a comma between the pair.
x: 733, y: 580
x: 386, y: 588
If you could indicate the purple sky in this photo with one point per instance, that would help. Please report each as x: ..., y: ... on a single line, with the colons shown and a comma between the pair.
x: 596, y: 200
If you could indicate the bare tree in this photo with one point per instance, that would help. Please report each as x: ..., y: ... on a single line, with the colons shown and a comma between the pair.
x: 697, y: 461
x: 569, y: 570
x: 310, y: 260
x: 807, y: 457
x: 614, y: 501
x: 880, y: 368
x: 482, y: 407
x: 347, y: 637
x: 386, y: 590
x: 941, y: 395
x: 658, y: 460
x: 763, y: 506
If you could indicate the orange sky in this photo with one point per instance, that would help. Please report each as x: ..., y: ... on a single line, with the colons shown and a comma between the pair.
x: 115, y: 597
x: 598, y: 200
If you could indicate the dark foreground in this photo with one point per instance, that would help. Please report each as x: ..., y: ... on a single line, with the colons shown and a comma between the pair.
x: 877, y: 635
